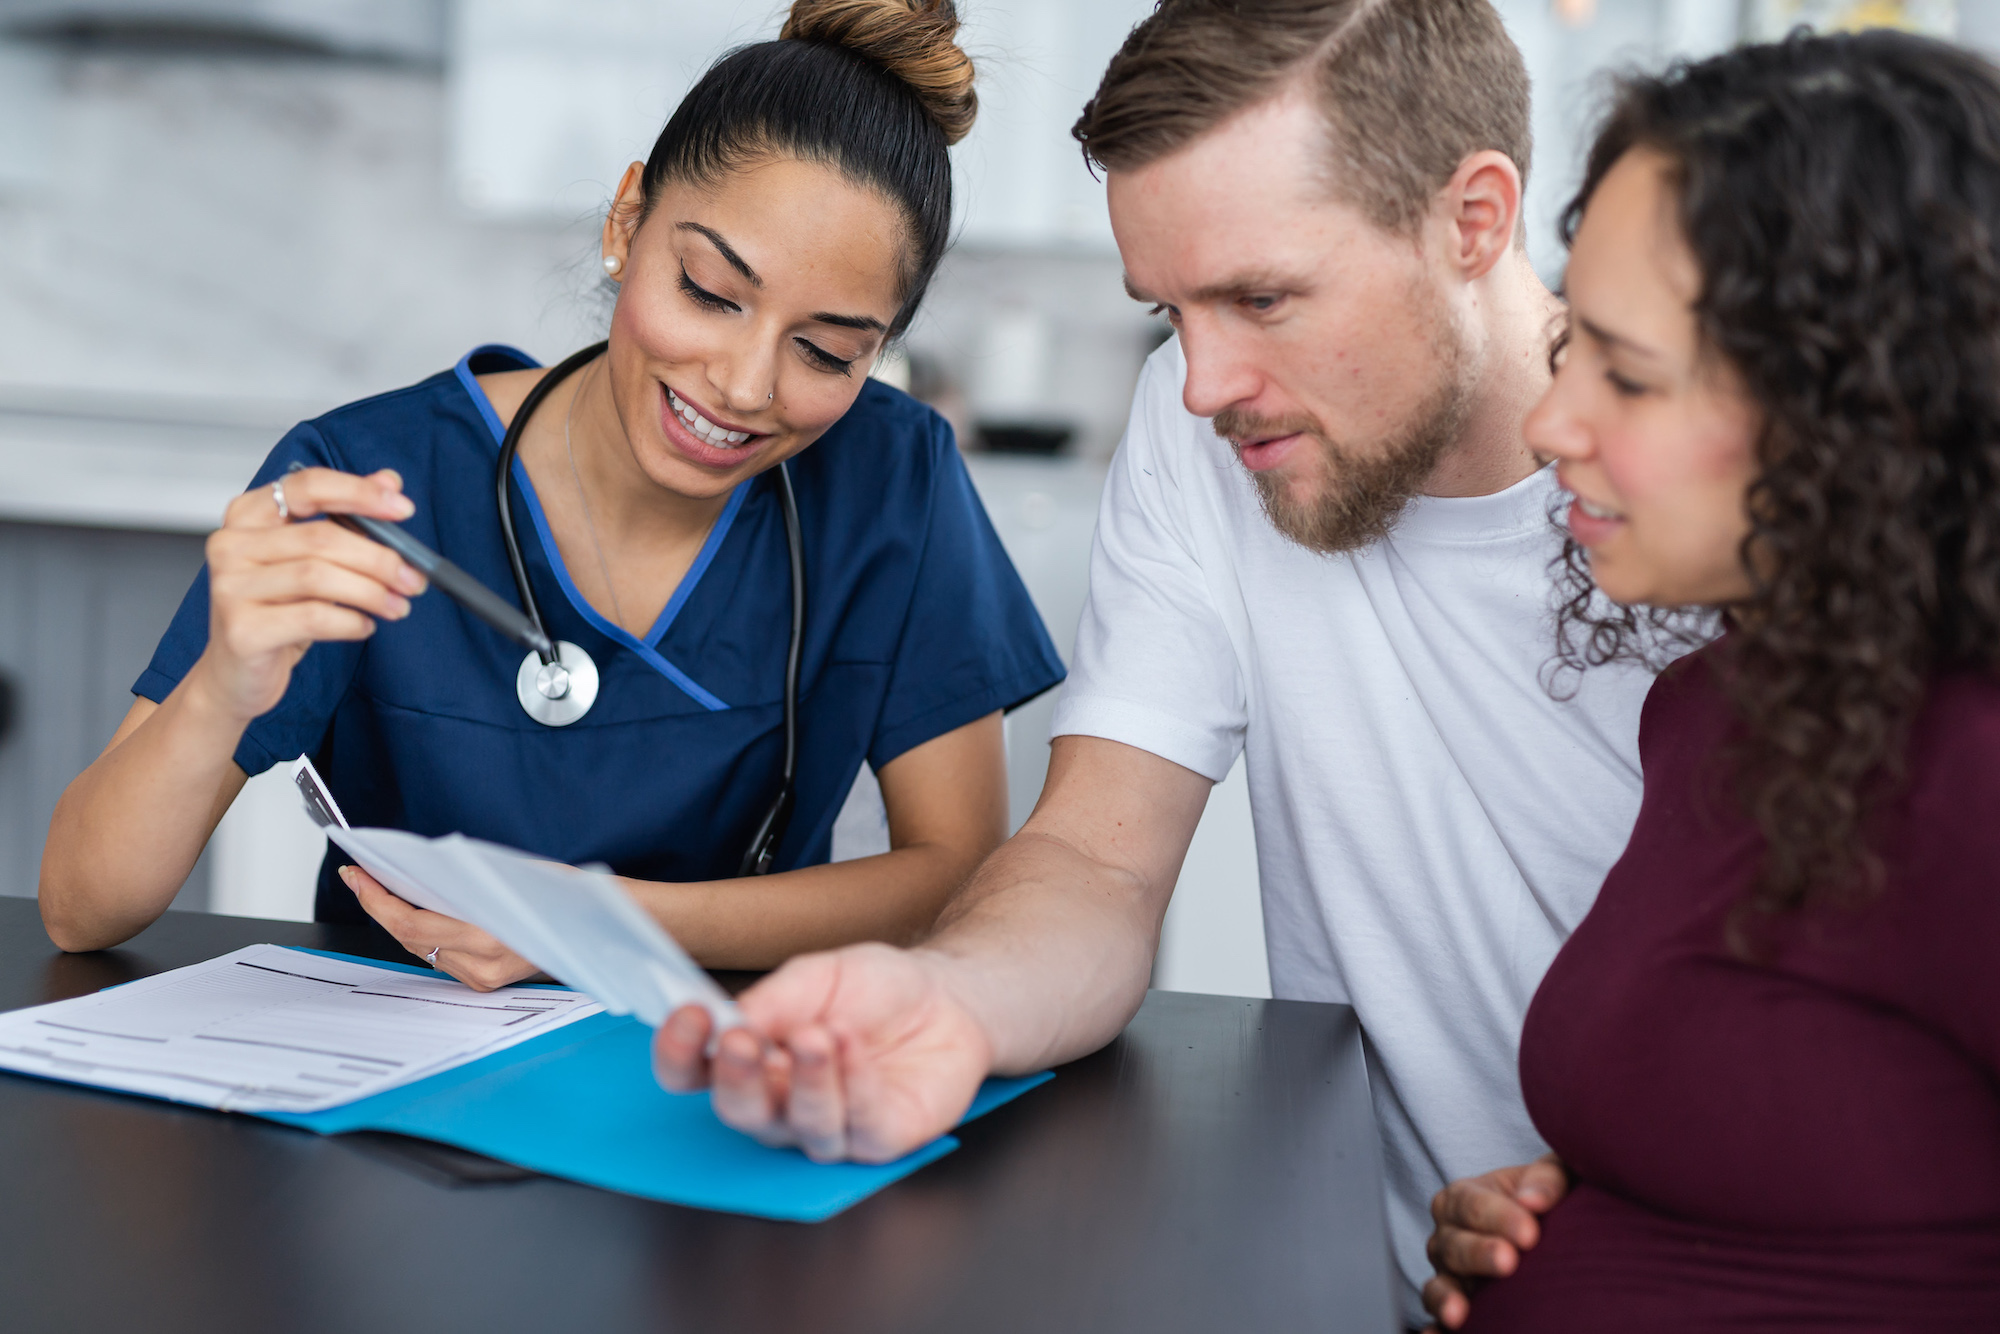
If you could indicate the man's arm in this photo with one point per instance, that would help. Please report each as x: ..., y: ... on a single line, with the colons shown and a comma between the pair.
x: 1041, y: 957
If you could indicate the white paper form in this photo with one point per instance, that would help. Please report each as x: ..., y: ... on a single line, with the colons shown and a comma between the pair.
x: 272, y: 1029
x: 574, y: 924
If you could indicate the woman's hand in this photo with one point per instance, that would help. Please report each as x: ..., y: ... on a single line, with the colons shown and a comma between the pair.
x: 463, y: 950
x: 277, y: 586
x: 1483, y: 1225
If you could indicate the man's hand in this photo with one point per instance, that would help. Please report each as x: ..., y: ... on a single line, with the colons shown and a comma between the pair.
x: 862, y: 1053
x: 1042, y: 956
x: 1483, y: 1225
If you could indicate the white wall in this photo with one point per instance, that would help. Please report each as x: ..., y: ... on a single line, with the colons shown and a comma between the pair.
x: 551, y: 98
x: 1213, y: 938
x: 1568, y: 64
x: 264, y: 858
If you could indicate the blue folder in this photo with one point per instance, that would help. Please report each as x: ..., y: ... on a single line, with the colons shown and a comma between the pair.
x: 581, y: 1103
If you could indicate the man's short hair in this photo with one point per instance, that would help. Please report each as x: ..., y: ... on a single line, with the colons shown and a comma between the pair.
x: 1410, y: 89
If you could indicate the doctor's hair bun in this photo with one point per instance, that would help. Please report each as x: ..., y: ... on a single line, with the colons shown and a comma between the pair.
x: 876, y: 89
x: 915, y: 40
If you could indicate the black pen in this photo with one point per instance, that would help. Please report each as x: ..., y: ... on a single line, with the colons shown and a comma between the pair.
x: 474, y: 596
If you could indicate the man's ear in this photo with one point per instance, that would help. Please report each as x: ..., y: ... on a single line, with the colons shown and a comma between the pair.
x: 1481, y: 207
x: 623, y: 218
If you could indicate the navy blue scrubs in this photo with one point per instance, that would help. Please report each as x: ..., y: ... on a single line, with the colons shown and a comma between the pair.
x: 916, y: 624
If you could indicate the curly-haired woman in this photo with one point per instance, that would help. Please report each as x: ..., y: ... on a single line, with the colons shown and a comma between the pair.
x: 1769, y: 1059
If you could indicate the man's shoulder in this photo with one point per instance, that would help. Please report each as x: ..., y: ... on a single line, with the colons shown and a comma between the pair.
x: 1169, y: 450
x: 1160, y: 419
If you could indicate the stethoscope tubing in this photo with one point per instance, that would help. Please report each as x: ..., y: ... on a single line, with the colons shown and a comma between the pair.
x: 510, y: 445
x: 763, y: 849
x: 764, y: 845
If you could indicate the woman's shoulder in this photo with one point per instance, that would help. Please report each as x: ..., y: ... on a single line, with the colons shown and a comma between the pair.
x: 506, y: 390
x: 399, y: 427
x: 1956, y: 741
x: 887, y: 484
x: 886, y: 438
x: 1685, y: 713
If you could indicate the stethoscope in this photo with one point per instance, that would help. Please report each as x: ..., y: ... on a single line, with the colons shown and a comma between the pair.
x: 558, y: 684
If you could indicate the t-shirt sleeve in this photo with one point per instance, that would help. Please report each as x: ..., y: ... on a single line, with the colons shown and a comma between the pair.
x: 1154, y: 666
x: 300, y: 720
x: 972, y: 641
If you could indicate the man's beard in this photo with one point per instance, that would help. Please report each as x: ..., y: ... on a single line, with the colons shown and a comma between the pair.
x: 1354, y: 497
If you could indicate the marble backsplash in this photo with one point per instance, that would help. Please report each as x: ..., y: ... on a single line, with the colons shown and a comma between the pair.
x: 280, y: 228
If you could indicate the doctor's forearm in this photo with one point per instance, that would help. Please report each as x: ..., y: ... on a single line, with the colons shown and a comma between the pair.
x: 128, y: 830
x: 761, y: 921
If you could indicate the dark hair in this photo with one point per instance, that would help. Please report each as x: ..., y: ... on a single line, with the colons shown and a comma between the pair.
x: 875, y: 88
x: 1841, y: 196
x: 1410, y: 88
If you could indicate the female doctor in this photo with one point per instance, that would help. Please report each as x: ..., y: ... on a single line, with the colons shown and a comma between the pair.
x: 765, y: 253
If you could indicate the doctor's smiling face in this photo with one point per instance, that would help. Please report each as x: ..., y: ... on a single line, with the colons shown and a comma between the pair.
x: 750, y: 311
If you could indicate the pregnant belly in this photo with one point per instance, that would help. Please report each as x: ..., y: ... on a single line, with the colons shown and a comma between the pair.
x: 1605, y: 1264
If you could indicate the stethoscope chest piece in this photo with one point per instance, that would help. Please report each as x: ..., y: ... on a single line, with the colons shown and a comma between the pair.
x: 558, y: 693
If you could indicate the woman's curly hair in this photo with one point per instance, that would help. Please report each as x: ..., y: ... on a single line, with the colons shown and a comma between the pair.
x: 1841, y: 196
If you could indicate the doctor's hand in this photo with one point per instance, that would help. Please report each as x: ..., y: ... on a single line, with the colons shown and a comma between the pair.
x: 1483, y: 1225
x: 861, y: 1053
x: 277, y: 585
x: 463, y: 950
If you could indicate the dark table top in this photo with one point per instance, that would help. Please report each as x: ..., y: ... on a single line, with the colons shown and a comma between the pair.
x: 1214, y: 1169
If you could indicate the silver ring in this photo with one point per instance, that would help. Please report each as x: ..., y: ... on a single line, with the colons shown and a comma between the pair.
x: 278, y: 495
x: 432, y: 957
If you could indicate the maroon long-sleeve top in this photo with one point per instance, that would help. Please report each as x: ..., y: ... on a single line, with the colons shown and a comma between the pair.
x: 1809, y: 1139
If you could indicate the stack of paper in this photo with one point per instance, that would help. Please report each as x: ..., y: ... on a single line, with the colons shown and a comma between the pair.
x: 276, y: 1030
x: 579, y: 926
x: 536, y: 1076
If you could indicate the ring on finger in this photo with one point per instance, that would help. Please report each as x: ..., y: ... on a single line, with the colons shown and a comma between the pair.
x: 278, y: 498
x: 432, y: 957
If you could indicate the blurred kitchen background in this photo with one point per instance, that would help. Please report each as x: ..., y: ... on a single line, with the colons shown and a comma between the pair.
x: 220, y: 216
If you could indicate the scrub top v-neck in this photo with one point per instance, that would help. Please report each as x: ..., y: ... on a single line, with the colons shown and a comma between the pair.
x: 916, y: 624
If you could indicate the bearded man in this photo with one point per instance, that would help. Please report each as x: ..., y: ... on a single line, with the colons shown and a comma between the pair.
x: 1323, y: 545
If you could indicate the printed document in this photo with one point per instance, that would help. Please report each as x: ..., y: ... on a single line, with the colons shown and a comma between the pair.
x: 574, y: 923
x: 267, y: 1029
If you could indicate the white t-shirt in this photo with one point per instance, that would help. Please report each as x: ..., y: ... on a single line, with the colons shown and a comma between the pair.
x: 1431, y: 823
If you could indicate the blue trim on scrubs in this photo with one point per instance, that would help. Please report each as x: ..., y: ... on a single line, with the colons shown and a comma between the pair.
x: 471, y: 382
x: 696, y: 570
x: 648, y: 648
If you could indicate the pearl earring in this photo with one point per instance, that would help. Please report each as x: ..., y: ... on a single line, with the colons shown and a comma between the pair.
x: 612, y: 264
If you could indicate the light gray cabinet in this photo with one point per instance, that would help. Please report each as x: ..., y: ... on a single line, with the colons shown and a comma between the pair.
x: 398, y: 29
x: 81, y: 610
